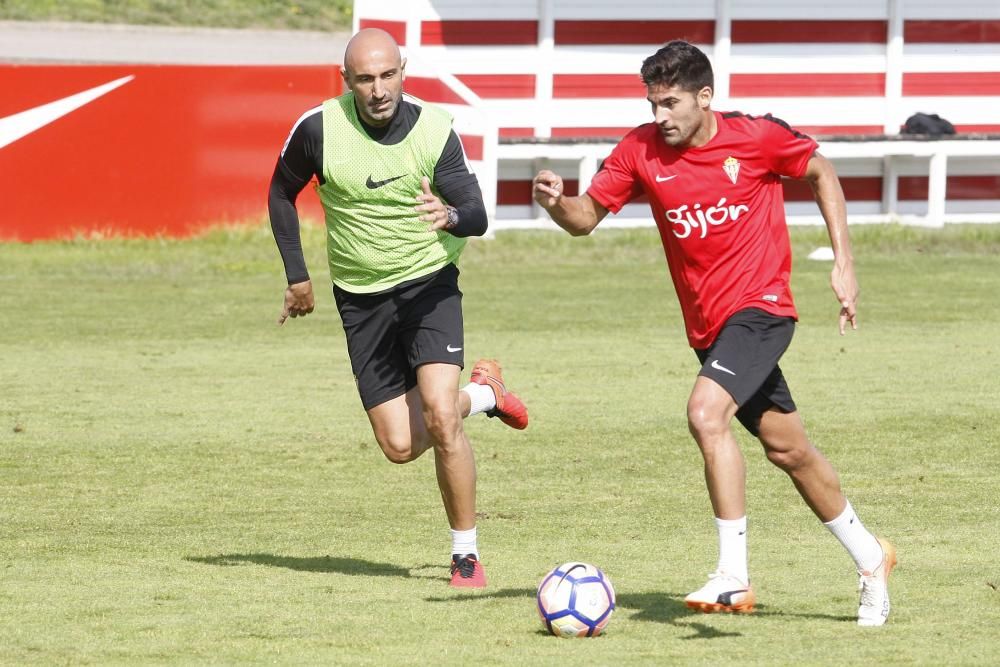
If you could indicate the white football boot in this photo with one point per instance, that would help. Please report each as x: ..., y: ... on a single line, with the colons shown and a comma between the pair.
x: 723, y: 592
x: 873, y: 609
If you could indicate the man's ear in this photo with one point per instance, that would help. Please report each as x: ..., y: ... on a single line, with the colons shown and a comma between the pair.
x: 402, y: 69
x: 705, y: 97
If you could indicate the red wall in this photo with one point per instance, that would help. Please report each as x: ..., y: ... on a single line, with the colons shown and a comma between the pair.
x: 171, y: 151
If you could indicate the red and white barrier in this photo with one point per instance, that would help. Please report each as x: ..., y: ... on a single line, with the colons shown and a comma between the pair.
x: 831, y: 67
x: 148, y: 149
x: 568, y: 69
x: 474, y: 127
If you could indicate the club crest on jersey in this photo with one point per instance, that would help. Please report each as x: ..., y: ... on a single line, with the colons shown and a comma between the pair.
x: 732, y: 168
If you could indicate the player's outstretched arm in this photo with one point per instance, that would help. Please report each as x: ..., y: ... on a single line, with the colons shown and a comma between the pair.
x: 829, y: 196
x: 577, y: 215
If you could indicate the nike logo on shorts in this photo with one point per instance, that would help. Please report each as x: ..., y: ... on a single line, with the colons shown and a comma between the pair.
x: 719, y: 367
x: 453, y: 349
x: 661, y: 179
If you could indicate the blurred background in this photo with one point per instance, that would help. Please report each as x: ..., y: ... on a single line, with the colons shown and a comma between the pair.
x: 152, y: 117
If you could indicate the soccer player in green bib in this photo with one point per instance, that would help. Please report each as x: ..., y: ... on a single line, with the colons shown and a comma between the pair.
x: 400, y: 200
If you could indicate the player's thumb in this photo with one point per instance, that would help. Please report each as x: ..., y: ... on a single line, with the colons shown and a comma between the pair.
x: 425, y: 185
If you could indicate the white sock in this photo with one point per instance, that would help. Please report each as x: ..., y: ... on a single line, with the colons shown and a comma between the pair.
x: 463, y: 542
x: 482, y: 396
x: 862, y: 545
x: 733, y: 547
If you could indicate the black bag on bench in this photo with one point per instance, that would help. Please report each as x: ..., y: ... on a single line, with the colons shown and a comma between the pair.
x: 927, y: 123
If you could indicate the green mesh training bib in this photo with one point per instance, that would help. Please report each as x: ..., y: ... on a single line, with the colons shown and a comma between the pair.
x: 375, y: 240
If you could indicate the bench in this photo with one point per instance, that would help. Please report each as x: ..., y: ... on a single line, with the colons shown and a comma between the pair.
x: 558, y: 81
x: 888, y: 152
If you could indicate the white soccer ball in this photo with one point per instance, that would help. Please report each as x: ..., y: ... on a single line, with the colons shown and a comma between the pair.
x: 575, y: 600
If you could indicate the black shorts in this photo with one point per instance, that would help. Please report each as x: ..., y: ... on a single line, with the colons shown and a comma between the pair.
x: 391, y: 333
x: 744, y: 360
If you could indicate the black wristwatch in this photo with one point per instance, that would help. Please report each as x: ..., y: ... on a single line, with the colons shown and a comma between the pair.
x: 452, y: 217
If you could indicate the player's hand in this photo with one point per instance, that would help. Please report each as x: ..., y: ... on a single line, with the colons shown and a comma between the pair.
x: 845, y: 286
x: 547, y: 188
x: 299, y: 301
x: 433, y: 209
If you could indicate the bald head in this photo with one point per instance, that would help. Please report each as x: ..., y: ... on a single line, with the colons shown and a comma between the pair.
x: 370, y: 44
x: 373, y: 70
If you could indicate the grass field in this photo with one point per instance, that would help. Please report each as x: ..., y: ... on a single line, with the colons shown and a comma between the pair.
x: 183, y: 482
x: 286, y: 14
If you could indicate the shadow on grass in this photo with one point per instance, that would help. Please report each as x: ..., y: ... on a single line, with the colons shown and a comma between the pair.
x: 485, y: 595
x: 354, y: 566
x: 822, y: 617
x: 666, y: 608
x: 655, y: 607
x: 669, y: 608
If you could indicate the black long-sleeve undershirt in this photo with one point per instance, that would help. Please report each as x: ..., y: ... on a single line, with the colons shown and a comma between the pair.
x: 301, y: 160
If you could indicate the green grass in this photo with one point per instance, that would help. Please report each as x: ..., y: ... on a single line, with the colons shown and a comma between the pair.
x: 277, y: 14
x: 185, y: 482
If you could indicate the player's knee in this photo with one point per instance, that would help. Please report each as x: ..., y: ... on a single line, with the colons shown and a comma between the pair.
x: 789, y: 459
x: 443, y: 421
x: 398, y: 449
x: 704, y: 422
x: 398, y: 455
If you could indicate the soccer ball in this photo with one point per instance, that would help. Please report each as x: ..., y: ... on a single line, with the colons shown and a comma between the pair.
x: 575, y: 600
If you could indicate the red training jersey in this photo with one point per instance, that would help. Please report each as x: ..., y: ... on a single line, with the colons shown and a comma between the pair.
x: 720, y: 212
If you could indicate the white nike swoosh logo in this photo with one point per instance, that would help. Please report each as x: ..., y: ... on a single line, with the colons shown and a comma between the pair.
x: 719, y: 367
x: 660, y: 179
x: 453, y: 349
x: 24, y: 123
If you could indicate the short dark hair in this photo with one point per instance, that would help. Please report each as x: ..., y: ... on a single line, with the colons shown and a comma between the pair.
x: 680, y: 64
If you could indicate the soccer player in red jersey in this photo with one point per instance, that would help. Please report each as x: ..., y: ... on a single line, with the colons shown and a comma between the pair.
x: 713, y: 180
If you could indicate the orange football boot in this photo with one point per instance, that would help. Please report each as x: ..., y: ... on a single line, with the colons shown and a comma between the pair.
x: 509, y: 409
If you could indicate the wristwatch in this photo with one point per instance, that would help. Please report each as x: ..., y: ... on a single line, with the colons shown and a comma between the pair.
x: 452, y: 217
